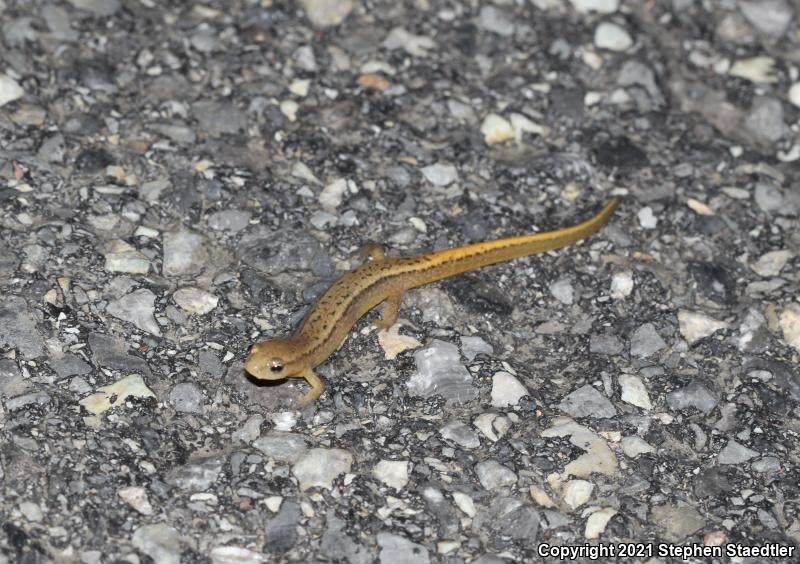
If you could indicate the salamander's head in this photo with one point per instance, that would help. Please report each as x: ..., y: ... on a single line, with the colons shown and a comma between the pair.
x: 272, y: 360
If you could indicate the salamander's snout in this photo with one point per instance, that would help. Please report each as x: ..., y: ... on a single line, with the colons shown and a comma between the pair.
x: 255, y: 363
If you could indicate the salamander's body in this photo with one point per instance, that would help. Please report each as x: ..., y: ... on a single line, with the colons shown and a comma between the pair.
x: 386, y: 279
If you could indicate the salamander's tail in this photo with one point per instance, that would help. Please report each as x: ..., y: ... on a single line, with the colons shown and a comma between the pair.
x: 462, y: 259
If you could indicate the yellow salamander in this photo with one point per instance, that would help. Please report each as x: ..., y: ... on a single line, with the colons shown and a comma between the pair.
x: 386, y: 279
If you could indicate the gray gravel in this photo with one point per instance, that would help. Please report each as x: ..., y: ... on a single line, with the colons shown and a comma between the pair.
x: 179, y: 180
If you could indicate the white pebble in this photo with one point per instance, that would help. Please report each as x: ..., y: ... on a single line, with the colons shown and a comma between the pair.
x: 794, y: 94
x: 136, y: 497
x: 319, y: 467
x: 31, y: 511
x: 492, y: 425
x: 521, y: 124
x: 284, y: 420
x: 577, y: 492
x: 418, y: 224
x: 10, y: 90
x: 760, y: 70
x: 494, y: 476
x: 465, y: 503
x: 149, y: 232
x: 597, y: 521
x: 790, y: 156
x: 613, y: 37
x: 496, y: 129
x: 699, y: 207
x: 301, y: 170
x: 634, y: 391
x: 647, y: 219
x: 300, y: 87
x: 235, y: 555
x: 331, y: 195
x: 695, y: 326
x: 540, y: 497
x: 621, y: 285
x: 273, y: 503
x: 594, y: 61
x: 771, y: 263
x: 789, y: 322
x: 289, y: 109
x: 447, y: 546
x: 506, y: 390
x: 195, y: 300
x: 562, y: 291
x: 122, y: 257
x: 598, y: 6
x: 440, y: 174
x: 736, y: 193
x: 633, y: 446
x: 393, y: 473
x: 414, y: 45
x: 592, y: 98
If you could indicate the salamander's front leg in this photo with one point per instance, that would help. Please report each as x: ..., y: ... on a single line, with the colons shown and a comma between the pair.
x: 317, y: 386
x: 390, y: 311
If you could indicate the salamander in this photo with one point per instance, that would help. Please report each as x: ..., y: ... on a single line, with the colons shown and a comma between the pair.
x: 386, y: 279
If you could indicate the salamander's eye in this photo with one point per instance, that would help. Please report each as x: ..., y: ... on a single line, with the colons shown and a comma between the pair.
x: 276, y: 365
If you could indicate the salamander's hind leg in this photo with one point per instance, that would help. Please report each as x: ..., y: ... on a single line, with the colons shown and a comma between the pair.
x: 390, y: 312
x: 373, y: 251
x: 317, y: 386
